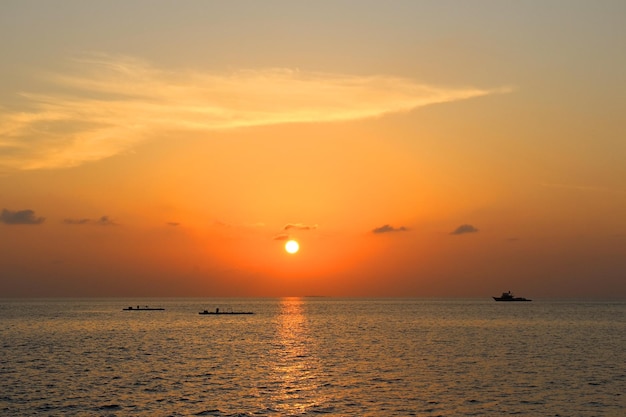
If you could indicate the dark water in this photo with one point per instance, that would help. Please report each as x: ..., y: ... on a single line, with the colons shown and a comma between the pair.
x: 311, y: 356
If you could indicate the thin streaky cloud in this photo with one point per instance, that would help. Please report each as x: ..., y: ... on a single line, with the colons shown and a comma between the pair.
x: 102, y: 221
x: 300, y: 226
x: 109, y: 104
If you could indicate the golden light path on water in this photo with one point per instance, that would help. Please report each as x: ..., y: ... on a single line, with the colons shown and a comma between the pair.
x: 296, y: 367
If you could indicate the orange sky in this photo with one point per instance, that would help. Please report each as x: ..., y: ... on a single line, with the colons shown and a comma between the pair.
x: 412, y: 150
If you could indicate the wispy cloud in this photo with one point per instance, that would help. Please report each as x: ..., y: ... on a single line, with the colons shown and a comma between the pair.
x: 293, y: 226
x: 389, y: 229
x: 102, y: 221
x: 107, y: 104
x: 20, y: 217
x: 299, y: 226
x: 463, y: 229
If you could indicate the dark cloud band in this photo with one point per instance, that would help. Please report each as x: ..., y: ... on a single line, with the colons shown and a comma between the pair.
x: 20, y: 217
x: 464, y: 228
x: 388, y: 229
x: 102, y: 221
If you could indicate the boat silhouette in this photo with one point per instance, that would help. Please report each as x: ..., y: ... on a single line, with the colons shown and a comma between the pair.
x: 144, y: 308
x: 508, y: 296
x: 217, y: 311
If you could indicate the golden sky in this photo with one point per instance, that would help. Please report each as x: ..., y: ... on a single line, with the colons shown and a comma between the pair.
x: 156, y: 148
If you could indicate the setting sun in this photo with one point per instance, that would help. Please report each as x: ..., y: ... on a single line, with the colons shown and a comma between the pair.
x: 292, y: 246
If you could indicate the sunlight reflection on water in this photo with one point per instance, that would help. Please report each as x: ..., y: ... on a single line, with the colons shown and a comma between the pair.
x: 294, y: 368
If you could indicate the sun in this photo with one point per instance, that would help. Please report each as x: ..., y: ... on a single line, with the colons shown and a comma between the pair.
x: 292, y: 246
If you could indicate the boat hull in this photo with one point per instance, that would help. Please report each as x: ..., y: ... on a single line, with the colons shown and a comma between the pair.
x: 224, y: 313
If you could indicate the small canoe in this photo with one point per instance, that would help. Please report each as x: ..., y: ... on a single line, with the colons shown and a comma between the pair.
x: 218, y: 312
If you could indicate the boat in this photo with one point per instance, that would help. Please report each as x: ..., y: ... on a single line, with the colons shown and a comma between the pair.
x: 508, y: 296
x: 144, y: 308
x: 217, y: 311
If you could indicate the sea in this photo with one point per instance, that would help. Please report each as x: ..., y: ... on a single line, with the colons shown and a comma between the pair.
x: 312, y: 356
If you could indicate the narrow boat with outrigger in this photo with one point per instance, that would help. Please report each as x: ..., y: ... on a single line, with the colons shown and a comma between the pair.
x: 508, y: 296
x: 143, y: 308
x: 217, y: 311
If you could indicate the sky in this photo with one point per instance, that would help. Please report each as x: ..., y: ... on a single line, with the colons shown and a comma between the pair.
x: 411, y: 148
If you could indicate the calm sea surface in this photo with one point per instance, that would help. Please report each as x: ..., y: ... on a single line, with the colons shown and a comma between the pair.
x: 311, y: 356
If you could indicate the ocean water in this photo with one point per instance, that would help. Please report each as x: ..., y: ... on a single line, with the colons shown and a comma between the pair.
x: 312, y: 356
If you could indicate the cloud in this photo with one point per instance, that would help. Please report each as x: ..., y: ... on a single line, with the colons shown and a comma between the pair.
x: 105, y: 105
x: 299, y: 226
x: 105, y: 221
x: 464, y: 228
x: 388, y: 228
x: 102, y: 221
x: 173, y: 224
x: 293, y: 226
x: 20, y: 217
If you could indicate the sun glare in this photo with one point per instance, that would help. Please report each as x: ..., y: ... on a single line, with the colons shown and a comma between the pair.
x: 292, y: 246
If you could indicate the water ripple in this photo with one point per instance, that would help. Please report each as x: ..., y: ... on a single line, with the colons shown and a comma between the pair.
x: 314, y: 357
